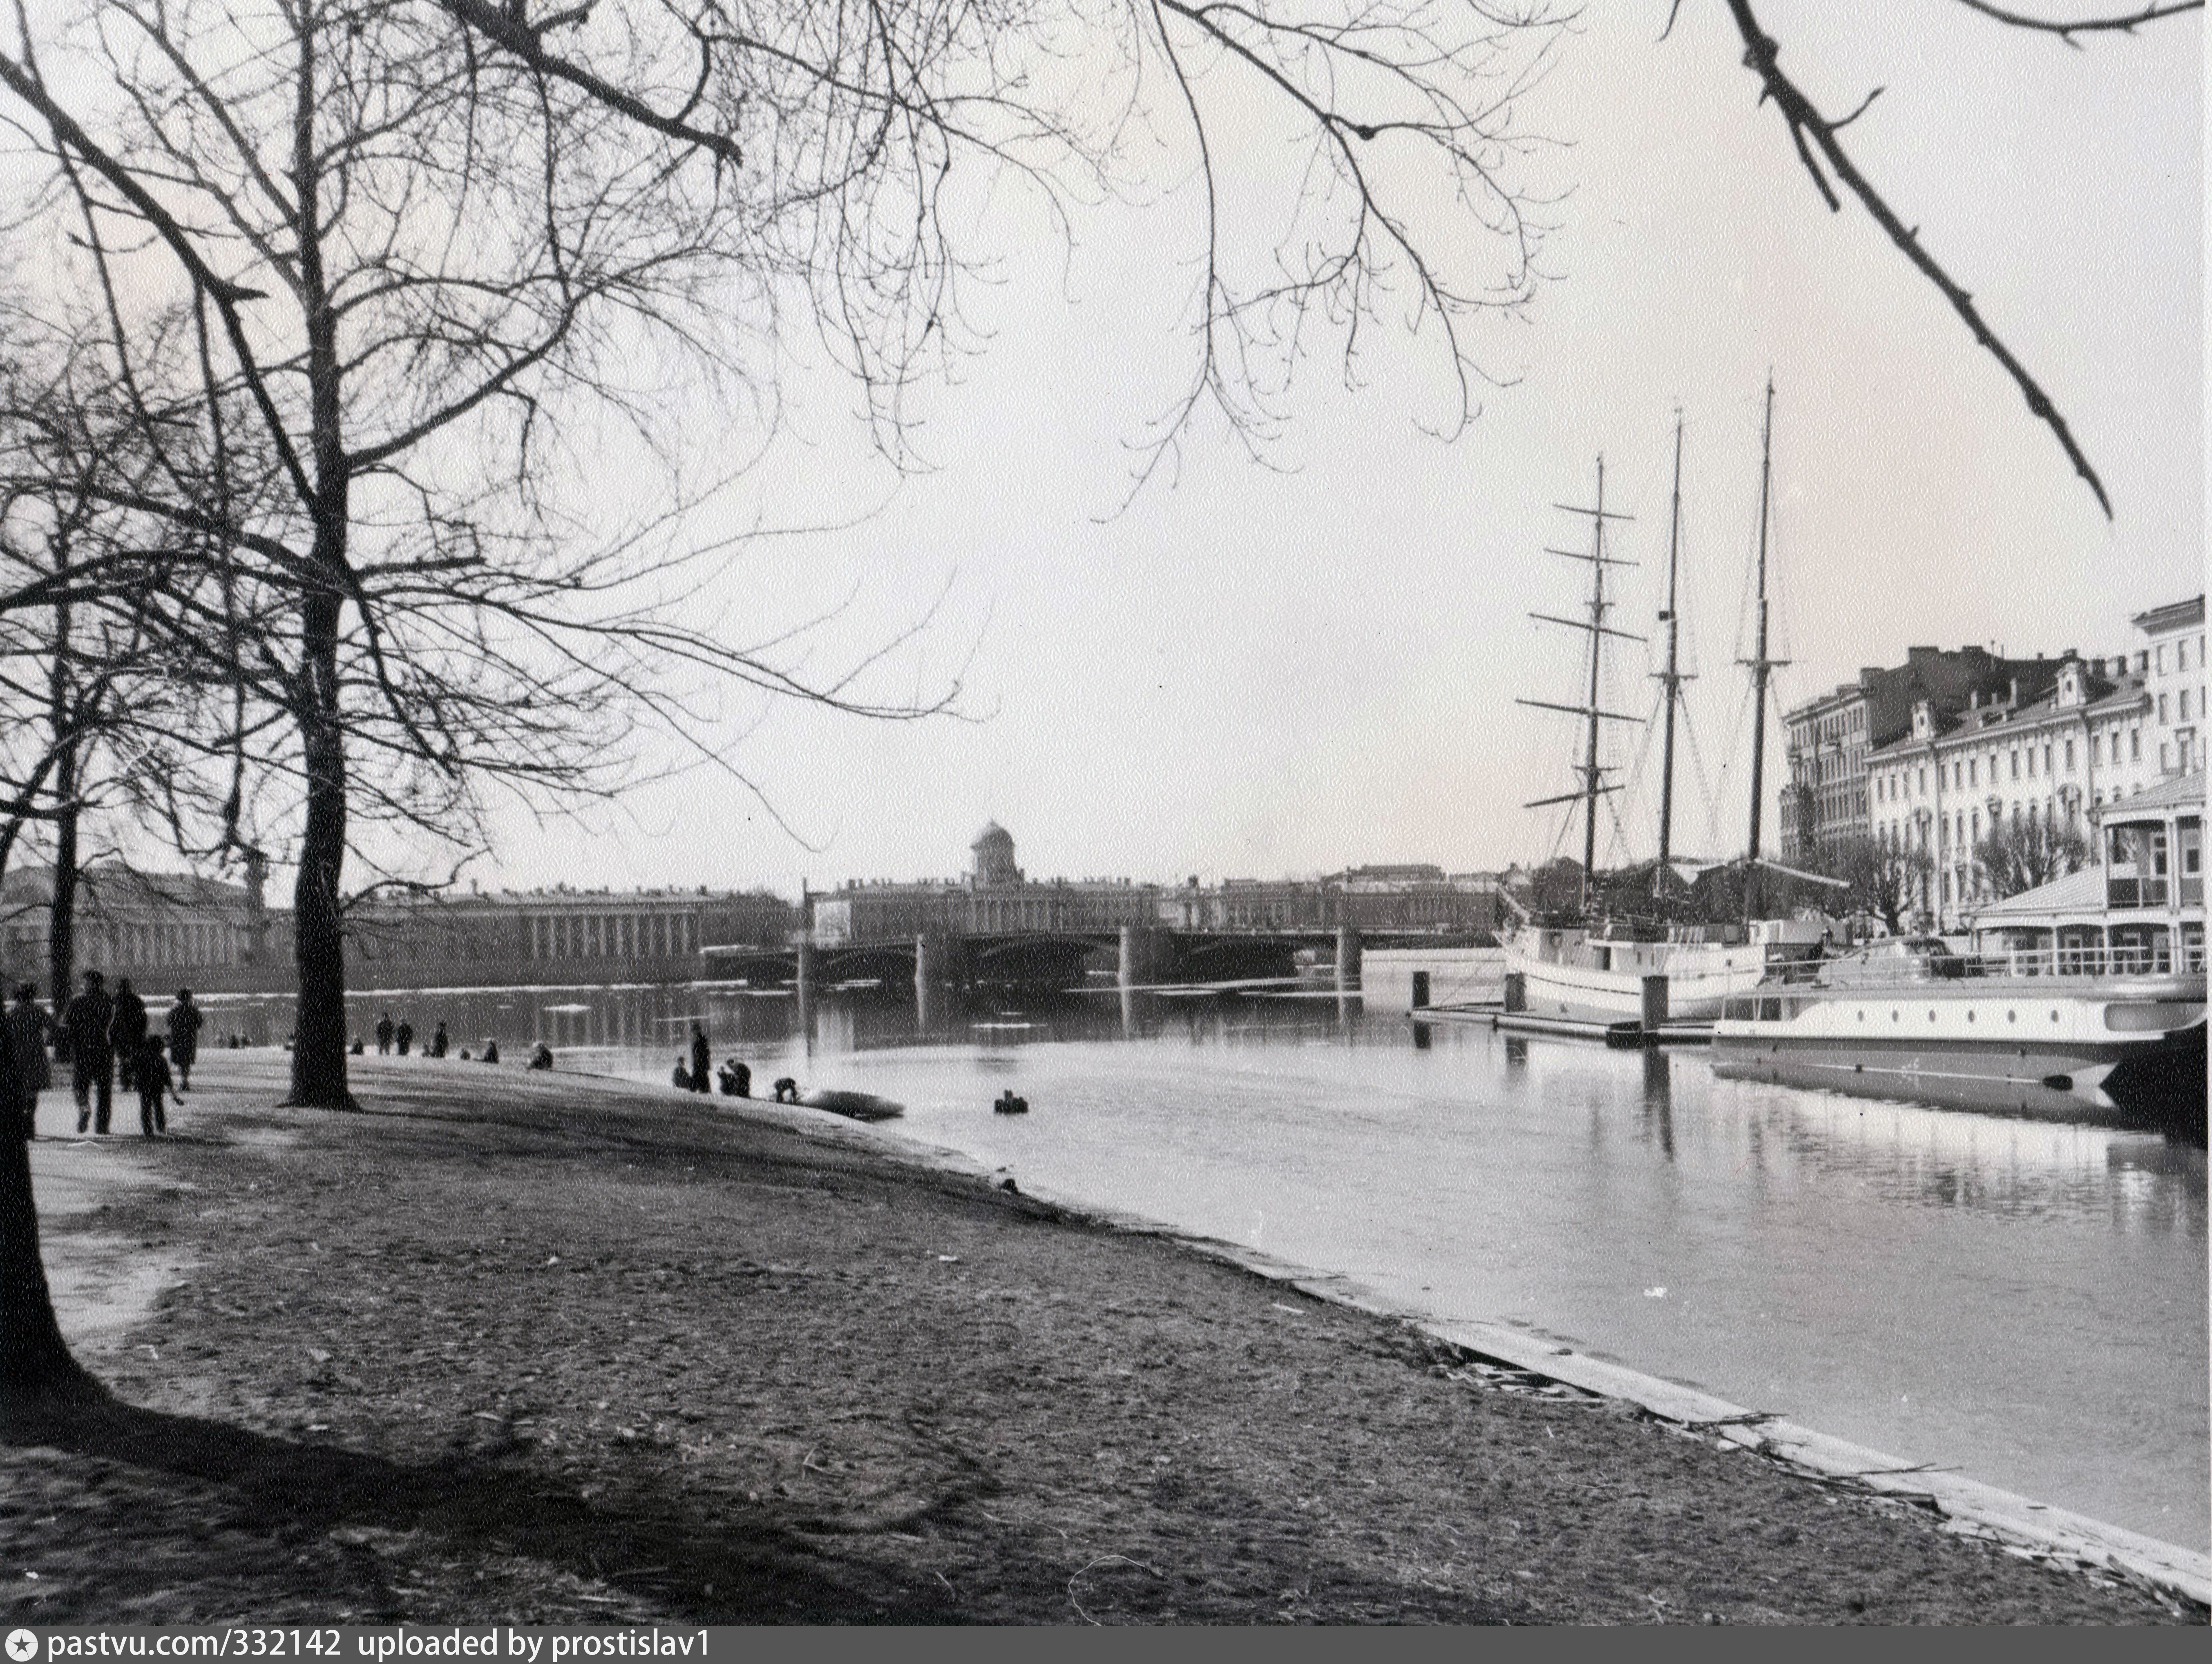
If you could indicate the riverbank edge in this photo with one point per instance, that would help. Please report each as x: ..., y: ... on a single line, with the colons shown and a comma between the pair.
x: 2058, y: 1539
x: 1966, y: 1504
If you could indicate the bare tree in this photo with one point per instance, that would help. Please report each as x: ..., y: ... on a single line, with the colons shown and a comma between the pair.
x: 414, y: 260
x: 1818, y: 140
x: 1885, y: 880
x: 2023, y: 854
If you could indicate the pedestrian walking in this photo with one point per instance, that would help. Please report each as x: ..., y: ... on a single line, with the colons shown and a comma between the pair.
x: 126, y: 1030
x: 92, y: 1065
x: 384, y: 1034
x: 703, y: 1059
x: 184, y: 1021
x: 27, y: 1028
x: 150, y: 1073
x: 404, y: 1036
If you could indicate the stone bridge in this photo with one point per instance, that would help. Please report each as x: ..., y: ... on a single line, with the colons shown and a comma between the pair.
x: 1044, y: 958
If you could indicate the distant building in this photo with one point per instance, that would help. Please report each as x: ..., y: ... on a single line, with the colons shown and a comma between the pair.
x: 2105, y: 729
x: 170, y: 928
x: 996, y: 898
x: 2172, y: 663
x: 1827, y: 740
x: 182, y: 930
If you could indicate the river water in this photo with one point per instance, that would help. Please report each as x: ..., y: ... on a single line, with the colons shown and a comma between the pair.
x: 2022, y: 1301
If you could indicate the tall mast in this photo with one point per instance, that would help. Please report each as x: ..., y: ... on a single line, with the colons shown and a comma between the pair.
x: 1759, y: 663
x: 1597, y: 641
x: 1672, y: 676
x: 1597, y: 629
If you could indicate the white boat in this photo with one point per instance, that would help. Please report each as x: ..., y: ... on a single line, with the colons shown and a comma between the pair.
x: 1573, y: 975
x: 2084, y: 998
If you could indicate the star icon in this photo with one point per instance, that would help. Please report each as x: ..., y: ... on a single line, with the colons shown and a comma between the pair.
x: 22, y: 1646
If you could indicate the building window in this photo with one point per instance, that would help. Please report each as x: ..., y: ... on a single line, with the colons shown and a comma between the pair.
x: 2161, y: 658
x: 2184, y: 704
x: 2135, y: 745
x: 2069, y: 757
x: 2015, y: 765
x: 2161, y: 707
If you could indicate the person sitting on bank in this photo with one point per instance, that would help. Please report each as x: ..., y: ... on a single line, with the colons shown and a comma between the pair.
x: 736, y: 1079
x: 358, y: 1048
x: 542, y: 1057
x: 491, y: 1051
x: 786, y: 1091
x: 680, y: 1077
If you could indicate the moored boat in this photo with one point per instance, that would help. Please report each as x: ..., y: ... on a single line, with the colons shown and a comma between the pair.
x: 2084, y: 998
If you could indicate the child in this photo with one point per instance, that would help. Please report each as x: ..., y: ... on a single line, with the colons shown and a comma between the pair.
x: 151, y: 1076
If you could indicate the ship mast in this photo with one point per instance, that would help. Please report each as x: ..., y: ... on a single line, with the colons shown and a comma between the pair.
x: 1597, y: 629
x: 1760, y: 665
x: 1672, y: 677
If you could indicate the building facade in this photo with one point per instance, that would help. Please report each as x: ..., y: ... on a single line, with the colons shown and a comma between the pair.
x: 2172, y: 663
x: 180, y: 930
x: 1938, y: 793
x: 1827, y: 741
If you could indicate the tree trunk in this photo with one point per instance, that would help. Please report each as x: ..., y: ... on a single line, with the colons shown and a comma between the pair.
x: 37, y: 1374
x: 319, y: 1039
x: 318, y: 1042
x: 61, y: 908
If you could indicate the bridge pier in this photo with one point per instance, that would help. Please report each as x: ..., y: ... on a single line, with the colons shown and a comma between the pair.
x: 1347, y: 959
x: 1140, y: 954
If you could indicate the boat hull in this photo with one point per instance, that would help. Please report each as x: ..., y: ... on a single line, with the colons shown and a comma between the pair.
x: 1699, y: 981
x: 2123, y: 1058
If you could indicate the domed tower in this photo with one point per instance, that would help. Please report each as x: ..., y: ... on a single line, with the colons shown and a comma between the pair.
x: 993, y: 850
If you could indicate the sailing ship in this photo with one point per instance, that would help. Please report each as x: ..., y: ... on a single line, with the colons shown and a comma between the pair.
x: 1609, y: 974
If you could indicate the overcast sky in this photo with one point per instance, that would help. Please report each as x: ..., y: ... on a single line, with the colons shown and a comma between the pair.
x: 1253, y: 671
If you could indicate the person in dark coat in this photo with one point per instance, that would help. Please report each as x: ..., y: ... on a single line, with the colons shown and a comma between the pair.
x: 491, y: 1051
x: 26, y: 1028
x: 126, y: 1031
x: 703, y: 1059
x: 542, y: 1057
x: 92, y: 1065
x: 404, y: 1036
x: 680, y: 1077
x: 150, y: 1071
x: 438, y: 1043
x: 184, y: 1021
x: 384, y: 1034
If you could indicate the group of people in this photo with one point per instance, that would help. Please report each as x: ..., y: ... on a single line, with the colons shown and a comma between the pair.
x: 107, y: 1040
x: 400, y: 1036
x: 734, y: 1078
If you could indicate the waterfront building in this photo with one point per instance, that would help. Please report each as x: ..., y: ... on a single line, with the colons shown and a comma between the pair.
x: 555, y: 936
x: 2172, y: 663
x: 2106, y: 728
x: 162, y: 929
x: 995, y: 898
x: 2140, y: 904
x: 178, y: 929
x: 1827, y: 741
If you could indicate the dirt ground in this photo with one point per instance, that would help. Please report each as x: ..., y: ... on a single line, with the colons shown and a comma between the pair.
x: 550, y: 1349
